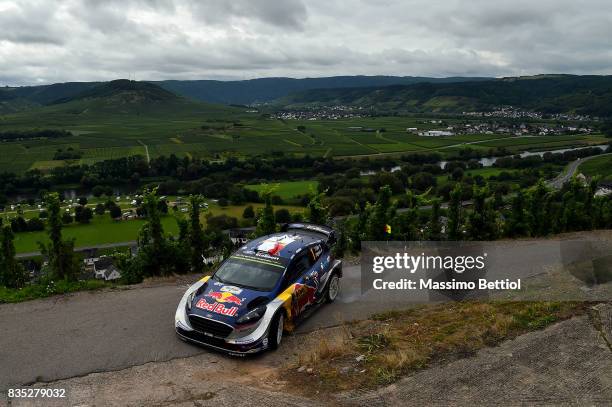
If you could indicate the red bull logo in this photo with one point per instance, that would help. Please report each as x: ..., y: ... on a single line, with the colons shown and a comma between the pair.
x: 216, y: 307
x: 224, y: 296
x: 303, y: 295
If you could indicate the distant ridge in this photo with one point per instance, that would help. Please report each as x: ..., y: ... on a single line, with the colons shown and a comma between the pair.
x: 264, y: 90
x: 590, y: 95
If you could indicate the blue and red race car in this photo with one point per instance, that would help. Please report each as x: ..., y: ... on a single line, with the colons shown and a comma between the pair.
x: 261, y: 291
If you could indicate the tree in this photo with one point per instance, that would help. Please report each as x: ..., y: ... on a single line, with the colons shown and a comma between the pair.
x: 248, y: 212
x: 606, y: 128
x: 265, y: 218
x: 457, y: 174
x: 316, y: 212
x: 435, y: 226
x: 99, y: 209
x: 155, y: 254
x: 408, y: 220
x: 67, y: 218
x: 282, y: 216
x: 163, y: 206
x: 454, y: 213
x: 221, y: 222
x: 62, y: 262
x: 82, y: 201
x: 380, y: 216
x: 83, y: 214
x: 196, y: 234
x: 12, y: 273
x: 114, y: 211
x: 97, y: 191
x: 516, y: 225
x: 481, y: 222
x: 342, y: 243
x: 538, y: 220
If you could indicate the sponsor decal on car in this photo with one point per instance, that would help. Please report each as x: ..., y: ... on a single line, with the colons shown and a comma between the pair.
x: 303, y: 295
x: 231, y: 289
x: 216, y: 307
x: 224, y: 296
x: 275, y: 244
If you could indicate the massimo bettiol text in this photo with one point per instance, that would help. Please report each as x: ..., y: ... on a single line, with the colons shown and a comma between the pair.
x: 447, y: 271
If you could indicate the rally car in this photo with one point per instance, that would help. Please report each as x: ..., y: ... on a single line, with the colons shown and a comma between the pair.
x: 261, y: 291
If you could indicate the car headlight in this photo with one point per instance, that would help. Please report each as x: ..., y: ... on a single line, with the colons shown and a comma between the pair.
x: 190, y: 300
x: 253, y: 315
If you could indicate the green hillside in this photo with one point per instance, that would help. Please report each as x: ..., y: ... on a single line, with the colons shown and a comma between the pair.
x: 111, y: 120
x: 118, y: 102
x: 546, y: 93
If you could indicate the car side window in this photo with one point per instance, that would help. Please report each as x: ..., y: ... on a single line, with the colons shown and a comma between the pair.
x: 315, y: 252
x: 300, y: 265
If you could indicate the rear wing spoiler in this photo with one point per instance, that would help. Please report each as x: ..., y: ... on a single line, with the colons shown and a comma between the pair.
x: 326, y: 231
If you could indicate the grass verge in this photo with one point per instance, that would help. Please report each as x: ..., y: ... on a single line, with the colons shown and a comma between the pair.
x: 34, y: 291
x: 390, y: 345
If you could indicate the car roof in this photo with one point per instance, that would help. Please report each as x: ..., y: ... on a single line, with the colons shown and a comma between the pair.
x: 283, y: 245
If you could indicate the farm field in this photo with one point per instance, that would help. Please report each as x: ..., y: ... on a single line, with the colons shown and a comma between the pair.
x: 211, y: 132
x: 599, y: 166
x: 102, y: 229
x: 287, y: 190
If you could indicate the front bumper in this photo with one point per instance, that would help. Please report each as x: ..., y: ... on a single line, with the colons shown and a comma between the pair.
x: 220, y: 344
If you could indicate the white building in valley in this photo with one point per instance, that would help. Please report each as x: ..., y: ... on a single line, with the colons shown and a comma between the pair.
x: 436, y: 133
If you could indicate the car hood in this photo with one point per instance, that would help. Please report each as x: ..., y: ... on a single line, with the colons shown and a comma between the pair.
x: 226, y: 302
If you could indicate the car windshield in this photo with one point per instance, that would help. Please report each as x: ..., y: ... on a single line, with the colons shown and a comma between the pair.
x: 250, y: 272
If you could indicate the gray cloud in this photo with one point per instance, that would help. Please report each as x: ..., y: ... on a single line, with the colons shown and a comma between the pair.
x: 68, y: 40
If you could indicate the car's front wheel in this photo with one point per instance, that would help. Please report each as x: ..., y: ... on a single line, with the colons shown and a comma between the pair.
x: 275, y: 335
x: 333, y: 288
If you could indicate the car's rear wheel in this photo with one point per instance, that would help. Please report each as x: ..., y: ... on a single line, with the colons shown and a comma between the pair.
x: 275, y: 335
x: 333, y: 288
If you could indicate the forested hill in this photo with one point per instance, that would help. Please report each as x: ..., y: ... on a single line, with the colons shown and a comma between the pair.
x: 267, y: 89
x: 13, y: 99
x: 545, y: 93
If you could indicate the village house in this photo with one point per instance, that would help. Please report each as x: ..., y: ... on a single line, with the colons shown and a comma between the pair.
x: 105, y: 269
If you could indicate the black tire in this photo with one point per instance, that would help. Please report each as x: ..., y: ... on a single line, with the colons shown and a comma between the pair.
x: 274, y: 337
x: 333, y: 288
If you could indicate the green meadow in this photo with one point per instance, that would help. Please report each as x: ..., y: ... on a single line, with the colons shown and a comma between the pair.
x: 600, y: 166
x: 103, y: 230
x: 287, y: 190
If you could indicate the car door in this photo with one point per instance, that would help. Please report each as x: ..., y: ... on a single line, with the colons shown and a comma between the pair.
x: 314, y: 277
x: 304, y: 294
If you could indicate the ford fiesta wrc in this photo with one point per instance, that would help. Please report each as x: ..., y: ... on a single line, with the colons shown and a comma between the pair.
x: 261, y: 291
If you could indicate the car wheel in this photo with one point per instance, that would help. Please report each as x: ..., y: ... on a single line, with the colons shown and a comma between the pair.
x: 275, y: 336
x: 333, y: 288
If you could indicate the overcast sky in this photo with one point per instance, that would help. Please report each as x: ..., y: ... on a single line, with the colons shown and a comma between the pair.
x: 82, y: 40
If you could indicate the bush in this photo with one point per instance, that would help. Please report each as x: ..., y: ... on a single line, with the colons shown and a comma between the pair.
x: 36, y: 225
x: 115, y: 212
x: 83, y: 214
x: 100, y: 209
x: 67, y: 218
x: 221, y: 222
x: 248, y: 213
x: 282, y: 216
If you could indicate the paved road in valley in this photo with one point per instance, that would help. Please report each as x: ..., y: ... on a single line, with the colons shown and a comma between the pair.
x: 569, y: 172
